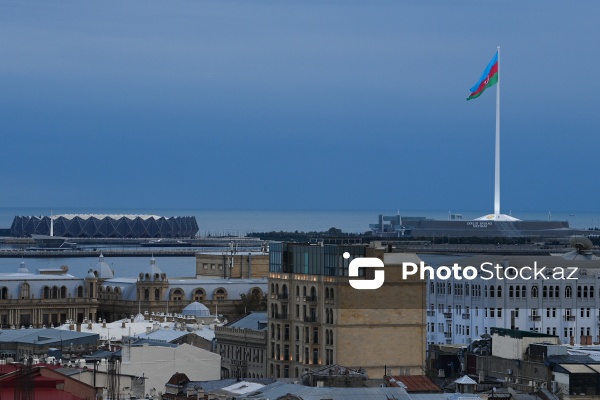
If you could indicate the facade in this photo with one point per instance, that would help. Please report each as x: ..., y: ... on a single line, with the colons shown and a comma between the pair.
x: 316, y: 318
x: 249, y: 265
x: 459, y: 310
x: 243, y: 347
x: 155, y: 292
x: 50, y: 297
x: 105, y: 226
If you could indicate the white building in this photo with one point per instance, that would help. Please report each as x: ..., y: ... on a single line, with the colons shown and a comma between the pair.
x: 562, y: 300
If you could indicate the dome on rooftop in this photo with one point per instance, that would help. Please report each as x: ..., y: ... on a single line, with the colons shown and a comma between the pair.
x: 22, y: 268
x: 139, y: 318
x: 196, y: 309
x: 103, y: 270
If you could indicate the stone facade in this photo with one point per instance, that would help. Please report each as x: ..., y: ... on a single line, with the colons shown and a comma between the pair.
x: 240, y: 265
x: 317, y: 320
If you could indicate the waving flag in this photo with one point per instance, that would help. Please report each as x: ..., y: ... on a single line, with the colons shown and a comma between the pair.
x: 488, y: 78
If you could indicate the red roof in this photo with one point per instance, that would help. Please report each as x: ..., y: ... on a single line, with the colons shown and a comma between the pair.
x: 417, y: 383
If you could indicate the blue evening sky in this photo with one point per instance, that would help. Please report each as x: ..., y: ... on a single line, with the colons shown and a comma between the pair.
x: 297, y: 104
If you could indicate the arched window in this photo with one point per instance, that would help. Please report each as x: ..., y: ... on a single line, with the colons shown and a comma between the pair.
x: 220, y: 294
x: 54, y: 292
x: 156, y: 294
x: 80, y: 291
x: 147, y: 294
x: 534, y: 291
x: 511, y: 291
x: 568, y: 291
x: 331, y: 296
x: 492, y: 291
x: 46, y: 292
x: 545, y: 292
x: 63, y: 292
x: 556, y: 291
x: 523, y: 291
x: 177, y: 294
x: 24, y: 292
x: 499, y: 291
x: 4, y: 293
x: 199, y: 295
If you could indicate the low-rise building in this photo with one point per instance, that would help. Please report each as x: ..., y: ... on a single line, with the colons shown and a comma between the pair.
x: 243, y: 346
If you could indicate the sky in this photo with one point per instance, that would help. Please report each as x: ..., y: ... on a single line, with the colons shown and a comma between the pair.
x: 297, y: 105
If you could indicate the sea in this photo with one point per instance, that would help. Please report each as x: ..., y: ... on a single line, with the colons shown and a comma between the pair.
x: 243, y: 222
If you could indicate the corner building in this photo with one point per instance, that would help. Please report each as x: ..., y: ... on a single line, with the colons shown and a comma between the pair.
x: 316, y: 318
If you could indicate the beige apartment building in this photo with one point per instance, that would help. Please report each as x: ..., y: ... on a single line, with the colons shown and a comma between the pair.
x: 316, y: 318
x: 238, y: 265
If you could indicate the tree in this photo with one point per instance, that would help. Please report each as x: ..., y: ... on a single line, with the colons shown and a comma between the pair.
x: 251, y: 302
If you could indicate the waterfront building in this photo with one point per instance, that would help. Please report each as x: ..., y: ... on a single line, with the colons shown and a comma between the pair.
x: 242, y: 345
x: 47, y: 298
x: 232, y: 265
x: 316, y: 318
x: 105, y: 226
x: 461, y: 310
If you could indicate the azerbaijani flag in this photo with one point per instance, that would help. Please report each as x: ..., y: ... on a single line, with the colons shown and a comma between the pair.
x: 488, y: 78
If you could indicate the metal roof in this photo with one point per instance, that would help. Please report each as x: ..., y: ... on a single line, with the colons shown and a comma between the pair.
x: 417, y: 383
x: 577, y: 368
x: 250, y: 321
x: 46, y: 336
x: 279, y: 389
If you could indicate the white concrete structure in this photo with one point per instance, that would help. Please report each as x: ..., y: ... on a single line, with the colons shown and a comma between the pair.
x: 158, y: 364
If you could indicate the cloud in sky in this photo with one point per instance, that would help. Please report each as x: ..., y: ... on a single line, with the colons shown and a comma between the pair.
x: 296, y: 105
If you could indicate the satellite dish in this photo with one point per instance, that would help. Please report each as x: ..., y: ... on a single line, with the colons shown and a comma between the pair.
x: 581, y: 243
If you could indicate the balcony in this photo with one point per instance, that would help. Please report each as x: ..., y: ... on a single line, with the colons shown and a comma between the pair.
x: 448, y: 315
x: 431, y: 313
x: 310, y: 299
x: 281, y: 316
x: 466, y: 316
x: 535, y: 317
x: 312, y: 318
x: 569, y: 318
x: 448, y: 334
x: 282, y: 296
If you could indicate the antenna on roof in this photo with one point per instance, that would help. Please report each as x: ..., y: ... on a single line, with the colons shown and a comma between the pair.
x: 51, y: 223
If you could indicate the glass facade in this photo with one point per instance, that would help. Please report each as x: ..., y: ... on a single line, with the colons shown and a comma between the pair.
x: 325, y: 260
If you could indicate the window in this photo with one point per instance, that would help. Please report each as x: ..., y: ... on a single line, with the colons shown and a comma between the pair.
x: 534, y: 291
x: 177, y: 295
x: 199, y: 295
x: 24, y: 292
x: 220, y: 294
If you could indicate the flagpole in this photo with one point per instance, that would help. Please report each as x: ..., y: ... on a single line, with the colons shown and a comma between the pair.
x: 497, y: 170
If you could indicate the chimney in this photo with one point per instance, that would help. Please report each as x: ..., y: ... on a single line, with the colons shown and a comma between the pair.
x: 78, y: 327
x: 148, y: 329
x: 123, y: 324
x: 104, y: 323
x: 71, y: 327
x: 90, y: 326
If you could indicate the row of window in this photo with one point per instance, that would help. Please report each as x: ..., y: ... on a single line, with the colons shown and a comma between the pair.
x: 308, y: 294
x: 514, y: 291
x: 179, y: 294
x: 550, y: 312
x: 47, y: 292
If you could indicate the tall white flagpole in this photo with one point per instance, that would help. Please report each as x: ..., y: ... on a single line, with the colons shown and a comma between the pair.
x: 497, y: 171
